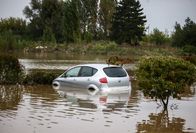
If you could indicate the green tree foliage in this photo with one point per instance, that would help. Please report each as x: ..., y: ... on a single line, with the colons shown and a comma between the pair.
x: 40, y: 77
x: 43, y: 15
x: 8, y: 41
x: 157, y: 37
x: 12, y: 33
x: 15, y: 25
x: 48, y: 35
x: 52, y: 17
x: 87, y: 10
x: 128, y: 22
x: 32, y: 12
x: 84, y: 20
x: 184, y: 35
x: 190, y: 49
x: 11, y: 71
x: 72, y: 22
x: 161, y: 77
x: 107, y: 8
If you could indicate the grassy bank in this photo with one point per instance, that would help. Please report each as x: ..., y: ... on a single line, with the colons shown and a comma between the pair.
x: 104, y: 48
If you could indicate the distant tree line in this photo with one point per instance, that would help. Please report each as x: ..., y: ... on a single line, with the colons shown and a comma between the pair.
x: 80, y: 20
x: 76, y: 21
x: 185, y: 36
x: 70, y: 20
x: 85, y: 20
x: 13, y: 32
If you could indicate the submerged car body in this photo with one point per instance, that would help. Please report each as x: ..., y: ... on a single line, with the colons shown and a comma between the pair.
x: 95, y: 77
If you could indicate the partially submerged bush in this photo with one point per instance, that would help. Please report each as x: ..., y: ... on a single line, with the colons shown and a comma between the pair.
x: 163, y: 76
x: 40, y: 77
x: 11, y: 72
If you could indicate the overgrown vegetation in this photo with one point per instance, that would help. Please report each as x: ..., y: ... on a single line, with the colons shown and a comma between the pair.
x: 40, y: 77
x: 157, y: 37
x: 161, y: 77
x: 185, y: 36
x: 11, y: 72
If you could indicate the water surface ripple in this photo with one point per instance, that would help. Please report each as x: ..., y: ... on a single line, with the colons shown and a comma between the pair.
x: 41, y: 109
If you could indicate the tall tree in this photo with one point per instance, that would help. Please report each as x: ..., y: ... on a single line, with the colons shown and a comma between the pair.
x: 107, y: 8
x: 44, y: 15
x: 52, y: 16
x: 87, y: 10
x: 128, y: 22
x: 32, y: 12
x: 184, y: 35
x: 72, y: 21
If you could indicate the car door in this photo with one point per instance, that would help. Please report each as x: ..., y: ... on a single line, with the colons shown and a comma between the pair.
x: 85, y: 76
x: 69, y: 78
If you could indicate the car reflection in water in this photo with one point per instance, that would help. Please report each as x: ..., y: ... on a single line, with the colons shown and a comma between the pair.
x: 105, y: 101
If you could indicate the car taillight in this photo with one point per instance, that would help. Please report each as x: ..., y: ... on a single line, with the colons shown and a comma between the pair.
x: 103, y: 80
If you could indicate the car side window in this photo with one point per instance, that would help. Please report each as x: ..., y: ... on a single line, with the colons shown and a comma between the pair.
x: 72, y: 72
x: 87, y: 71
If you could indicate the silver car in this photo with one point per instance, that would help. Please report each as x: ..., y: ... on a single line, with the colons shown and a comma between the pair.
x: 95, y: 77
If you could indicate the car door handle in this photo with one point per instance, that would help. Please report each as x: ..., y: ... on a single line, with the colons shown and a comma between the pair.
x: 88, y: 79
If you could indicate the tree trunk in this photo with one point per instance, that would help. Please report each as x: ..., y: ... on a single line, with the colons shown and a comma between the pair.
x: 165, y: 103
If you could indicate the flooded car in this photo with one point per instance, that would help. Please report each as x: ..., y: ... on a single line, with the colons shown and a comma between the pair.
x: 95, y: 78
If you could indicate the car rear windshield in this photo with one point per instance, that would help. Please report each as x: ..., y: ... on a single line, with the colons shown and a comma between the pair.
x: 115, y: 72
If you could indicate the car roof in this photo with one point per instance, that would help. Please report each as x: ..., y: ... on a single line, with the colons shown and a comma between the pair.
x: 98, y: 66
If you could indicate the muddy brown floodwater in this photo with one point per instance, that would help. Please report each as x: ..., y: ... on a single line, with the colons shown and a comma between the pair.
x: 41, y: 109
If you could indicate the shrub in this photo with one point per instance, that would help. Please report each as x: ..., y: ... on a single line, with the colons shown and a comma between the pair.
x: 40, y: 77
x: 189, y: 49
x: 163, y: 76
x: 11, y: 72
x: 157, y: 37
